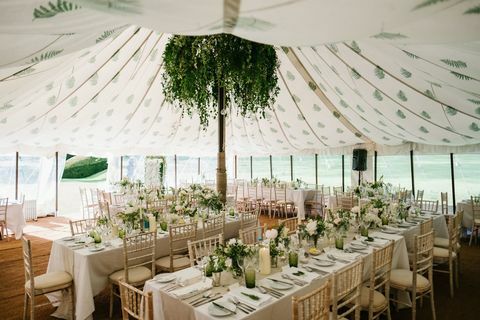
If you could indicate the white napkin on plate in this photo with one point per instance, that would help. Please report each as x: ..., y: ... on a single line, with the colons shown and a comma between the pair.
x: 193, y: 289
x: 306, y: 276
x: 263, y: 298
x: 342, y: 254
x: 188, y: 276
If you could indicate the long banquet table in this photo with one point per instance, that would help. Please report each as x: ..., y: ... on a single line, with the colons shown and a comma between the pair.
x: 167, y: 306
x: 90, y: 270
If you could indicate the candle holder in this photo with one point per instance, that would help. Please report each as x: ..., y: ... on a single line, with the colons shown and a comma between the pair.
x: 339, y: 242
x: 216, y: 279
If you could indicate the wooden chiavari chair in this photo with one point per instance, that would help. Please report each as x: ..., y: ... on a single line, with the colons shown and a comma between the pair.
x: 449, y: 256
x: 214, y: 225
x: 203, y: 247
x: 316, y: 205
x: 337, y: 190
x: 314, y: 305
x: 43, y: 284
x: 375, y: 296
x: 426, y: 226
x: 135, y: 303
x: 326, y: 190
x: 444, y: 202
x: 82, y: 226
x: 251, y: 235
x: 138, y: 263
x: 282, y: 205
x: 345, y: 200
x: 248, y: 219
x: 419, y: 198
x: 291, y: 224
x: 418, y: 281
x: 347, y: 283
x: 178, y: 259
x: 429, y: 206
x: 104, y: 209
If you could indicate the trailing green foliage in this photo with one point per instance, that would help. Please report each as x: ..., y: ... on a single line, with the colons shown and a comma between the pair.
x: 475, y: 101
x: 451, y: 111
x: 427, y: 3
x: 196, y: 67
x: 401, y: 95
x: 46, y: 55
x: 52, y: 9
x: 474, y: 10
x: 83, y: 167
x: 355, y: 74
x: 377, y: 95
x: 454, y: 63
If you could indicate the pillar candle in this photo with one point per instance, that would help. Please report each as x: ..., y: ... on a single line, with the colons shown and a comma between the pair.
x: 153, y: 223
x: 264, y: 260
x: 115, y: 230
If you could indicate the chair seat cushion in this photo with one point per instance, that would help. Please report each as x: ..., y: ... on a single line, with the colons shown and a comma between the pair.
x: 50, y: 280
x: 441, y: 242
x: 135, y: 275
x: 179, y: 262
x: 379, y: 301
x: 404, y: 278
x: 441, y: 253
x: 477, y: 221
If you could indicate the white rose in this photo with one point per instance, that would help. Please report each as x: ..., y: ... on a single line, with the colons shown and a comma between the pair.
x: 356, y: 209
x: 232, y: 241
x: 375, y: 210
x: 228, y: 262
x: 271, y: 234
x: 311, y: 227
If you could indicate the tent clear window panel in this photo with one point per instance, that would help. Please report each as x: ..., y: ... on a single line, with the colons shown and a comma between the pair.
x: 304, y: 168
x: 7, y: 175
x: 134, y: 167
x: 330, y: 170
x: 187, y: 170
x: 243, y: 168
x: 170, y: 172
x: 395, y: 170
x: 348, y: 170
x: 467, y: 175
x: 28, y: 175
x: 281, y: 168
x: 261, y: 167
x: 432, y: 174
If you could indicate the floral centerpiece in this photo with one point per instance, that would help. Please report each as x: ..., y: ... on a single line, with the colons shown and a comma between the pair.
x: 278, y: 241
x: 313, y: 229
x: 210, y: 199
x: 298, y: 184
x: 195, y: 196
x: 367, y: 221
x: 338, y: 224
x: 234, y: 252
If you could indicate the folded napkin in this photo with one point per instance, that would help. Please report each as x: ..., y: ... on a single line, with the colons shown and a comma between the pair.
x: 378, y: 243
x: 262, y: 298
x: 306, y: 276
x: 188, y: 276
x: 342, y: 254
x: 193, y: 289
x: 116, y: 242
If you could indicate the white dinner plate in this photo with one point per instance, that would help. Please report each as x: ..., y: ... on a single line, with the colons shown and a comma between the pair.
x: 324, y: 263
x: 390, y: 231
x: 68, y: 239
x: 96, y: 248
x: 215, y: 311
x: 164, y: 278
x: 359, y: 246
x: 280, y: 285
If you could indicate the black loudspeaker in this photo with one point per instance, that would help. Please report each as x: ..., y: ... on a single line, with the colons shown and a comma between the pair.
x: 359, y: 160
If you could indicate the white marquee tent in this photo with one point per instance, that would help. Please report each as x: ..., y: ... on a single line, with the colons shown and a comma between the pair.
x: 83, y: 76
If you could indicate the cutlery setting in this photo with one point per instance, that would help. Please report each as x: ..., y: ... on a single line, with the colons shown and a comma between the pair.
x: 274, y: 293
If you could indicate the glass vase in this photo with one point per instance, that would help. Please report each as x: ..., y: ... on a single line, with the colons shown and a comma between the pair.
x: 274, y: 261
x: 339, y: 242
x: 293, y: 259
x: 216, y: 279
x: 364, y: 231
x: 250, y: 277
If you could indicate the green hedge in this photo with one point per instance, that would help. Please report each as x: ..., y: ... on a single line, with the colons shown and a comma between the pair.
x: 83, y: 167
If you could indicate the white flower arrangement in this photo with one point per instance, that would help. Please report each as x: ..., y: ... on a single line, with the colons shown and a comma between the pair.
x: 371, y: 220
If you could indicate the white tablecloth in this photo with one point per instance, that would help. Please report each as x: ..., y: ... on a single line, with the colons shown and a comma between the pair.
x: 15, y: 219
x: 299, y: 196
x: 90, y: 270
x: 166, y: 306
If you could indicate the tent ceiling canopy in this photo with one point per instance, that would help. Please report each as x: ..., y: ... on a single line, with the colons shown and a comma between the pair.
x: 80, y: 78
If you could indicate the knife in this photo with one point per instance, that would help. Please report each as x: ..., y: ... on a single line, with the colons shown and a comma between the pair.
x: 202, y: 302
x: 223, y: 308
x: 280, y: 281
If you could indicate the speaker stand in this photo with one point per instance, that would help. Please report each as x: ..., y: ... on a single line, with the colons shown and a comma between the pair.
x: 359, y: 177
